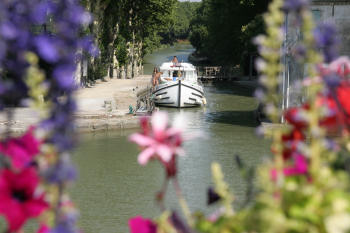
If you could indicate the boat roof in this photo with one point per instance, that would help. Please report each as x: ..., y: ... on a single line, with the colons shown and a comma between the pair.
x: 180, y: 66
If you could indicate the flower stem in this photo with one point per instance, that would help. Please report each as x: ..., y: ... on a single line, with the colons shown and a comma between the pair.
x: 182, y: 202
x: 160, y: 195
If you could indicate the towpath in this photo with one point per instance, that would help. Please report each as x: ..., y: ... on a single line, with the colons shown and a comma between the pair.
x: 104, y: 106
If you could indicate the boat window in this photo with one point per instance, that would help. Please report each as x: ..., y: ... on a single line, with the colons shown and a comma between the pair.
x: 189, y: 75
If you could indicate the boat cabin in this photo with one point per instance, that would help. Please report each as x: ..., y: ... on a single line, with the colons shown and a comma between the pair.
x: 179, y: 71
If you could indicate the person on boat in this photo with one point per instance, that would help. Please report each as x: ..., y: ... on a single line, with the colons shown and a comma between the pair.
x: 179, y: 76
x: 175, y: 61
x: 155, y: 71
x: 175, y: 75
x: 156, y: 78
x: 165, y: 78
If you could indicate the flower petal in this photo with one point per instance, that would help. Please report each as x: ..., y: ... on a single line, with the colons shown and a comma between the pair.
x: 14, y: 214
x: 145, y: 155
x: 159, y: 123
x: 141, y: 139
x: 164, y: 152
x: 34, y: 207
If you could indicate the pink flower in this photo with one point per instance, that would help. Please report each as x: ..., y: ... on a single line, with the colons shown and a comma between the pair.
x: 19, y: 200
x: 21, y: 150
x: 300, y: 167
x: 43, y: 229
x: 141, y: 225
x: 161, y: 141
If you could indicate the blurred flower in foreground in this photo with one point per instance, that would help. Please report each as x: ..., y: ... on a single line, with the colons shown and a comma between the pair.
x: 327, y: 41
x: 300, y: 167
x: 19, y: 199
x: 160, y: 141
x: 21, y: 150
x: 67, y: 224
x: 43, y: 229
x: 142, y: 225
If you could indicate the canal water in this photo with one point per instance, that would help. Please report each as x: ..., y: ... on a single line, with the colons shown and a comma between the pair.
x: 112, y: 187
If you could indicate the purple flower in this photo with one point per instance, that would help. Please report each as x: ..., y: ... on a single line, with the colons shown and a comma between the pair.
x: 67, y: 224
x: 8, y: 30
x: 87, y: 44
x: 332, y: 80
x: 64, y: 76
x: 62, y: 171
x: 57, y: 52
x: 41, y: 11
x: 47, y: 48
x: 79, y: 16
x: 326, y: 40
x: 179, y: 224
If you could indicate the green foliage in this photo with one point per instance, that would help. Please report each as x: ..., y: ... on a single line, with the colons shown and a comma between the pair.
x: 122, y: 27
x: 121, y: 50
x: 184, y: 13
x: 222, y: 30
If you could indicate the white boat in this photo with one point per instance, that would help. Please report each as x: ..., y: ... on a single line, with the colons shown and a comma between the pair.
x: 178, y: 87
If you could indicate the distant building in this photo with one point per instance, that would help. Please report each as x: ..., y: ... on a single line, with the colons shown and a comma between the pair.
x: 337, y: 11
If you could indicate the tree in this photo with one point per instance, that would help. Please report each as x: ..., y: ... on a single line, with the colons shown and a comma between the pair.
x: 217, y: 31
x: 125, y: 30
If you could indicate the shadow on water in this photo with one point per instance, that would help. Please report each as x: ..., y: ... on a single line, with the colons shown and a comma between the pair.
x: 241, y: 118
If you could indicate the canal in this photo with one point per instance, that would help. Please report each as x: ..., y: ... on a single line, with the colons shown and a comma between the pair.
x: 112, y: 187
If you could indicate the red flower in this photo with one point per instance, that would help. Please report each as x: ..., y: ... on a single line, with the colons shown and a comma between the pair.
x: 294, y: 116
x: 343, y: 95
x: 291, y: 141
x: 21, y: 150
x: 141, y: 225
x: 338, y: 108
x: 18, y: 198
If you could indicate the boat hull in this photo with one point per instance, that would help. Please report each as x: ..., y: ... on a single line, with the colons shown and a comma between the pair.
x: 179, y: 94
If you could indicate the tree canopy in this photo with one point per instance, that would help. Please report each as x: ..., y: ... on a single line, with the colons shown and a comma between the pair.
x: 222, y: 30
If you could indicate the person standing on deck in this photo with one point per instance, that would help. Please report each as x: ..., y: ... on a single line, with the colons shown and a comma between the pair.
x: 175, y: 61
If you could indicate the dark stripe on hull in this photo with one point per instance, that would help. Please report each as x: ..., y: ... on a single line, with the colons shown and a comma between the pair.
x: 193, y: 88
x: 200, y: 96
x: 192, y: 104
x: 163, y: 93
x: 164, y: 88
x: 164, y: 103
